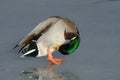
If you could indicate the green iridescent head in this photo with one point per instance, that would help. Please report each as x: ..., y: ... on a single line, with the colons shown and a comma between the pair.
x: 70, y: 47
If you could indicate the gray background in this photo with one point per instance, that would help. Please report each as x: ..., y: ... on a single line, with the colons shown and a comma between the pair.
x: 98, y: 57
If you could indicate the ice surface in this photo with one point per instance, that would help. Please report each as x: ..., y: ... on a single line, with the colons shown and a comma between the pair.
x: 98, y: 57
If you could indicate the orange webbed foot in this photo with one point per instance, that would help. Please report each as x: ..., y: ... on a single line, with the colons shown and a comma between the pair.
x: 53, y: 60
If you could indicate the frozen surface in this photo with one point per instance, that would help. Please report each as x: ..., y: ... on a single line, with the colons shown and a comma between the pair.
x: 98, y: 57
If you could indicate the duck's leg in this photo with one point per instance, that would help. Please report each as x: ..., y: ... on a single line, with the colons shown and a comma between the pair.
x: 53, y: 60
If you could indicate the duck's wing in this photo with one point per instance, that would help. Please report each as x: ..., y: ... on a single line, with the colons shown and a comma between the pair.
x: 37, y: 31
x: 71, y: 30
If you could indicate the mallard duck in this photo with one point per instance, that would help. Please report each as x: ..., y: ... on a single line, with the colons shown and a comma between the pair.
x: 54, y: 33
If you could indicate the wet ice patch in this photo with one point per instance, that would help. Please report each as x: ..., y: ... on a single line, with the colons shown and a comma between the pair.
x: 42, y: 73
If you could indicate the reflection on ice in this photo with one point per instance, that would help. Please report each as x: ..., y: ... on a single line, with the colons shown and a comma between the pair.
x: 47, y: 73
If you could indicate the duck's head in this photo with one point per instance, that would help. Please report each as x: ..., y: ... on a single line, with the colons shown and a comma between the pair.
x: 70, y: 47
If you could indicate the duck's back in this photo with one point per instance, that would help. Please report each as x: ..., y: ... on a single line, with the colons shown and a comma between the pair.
x: 54, y: 35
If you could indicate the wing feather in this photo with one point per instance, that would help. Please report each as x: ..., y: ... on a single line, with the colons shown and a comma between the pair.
x: 37, y: 31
